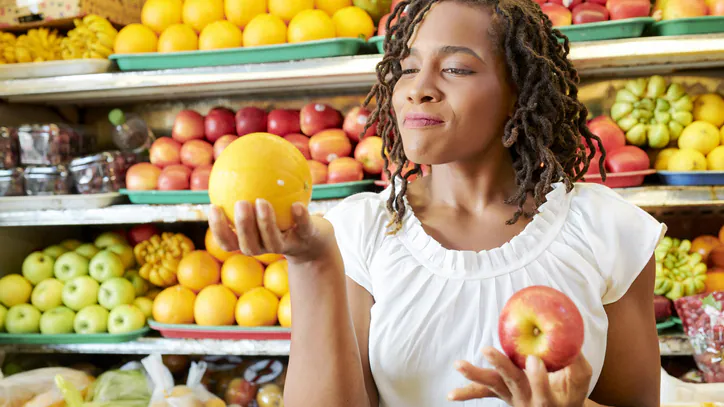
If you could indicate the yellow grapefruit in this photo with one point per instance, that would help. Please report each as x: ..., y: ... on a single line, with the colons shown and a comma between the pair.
x: 276, y: 278
x: 701, y: 136
x: 178, y: 37
x: 285, y: 311
x: 215, y: 306
x: 135, y: 38
x: 287, y: 9
x: 220, y: 35
x: 310, y: 25
x: 214, y: 249
x: 265, y: 29
x: 198, y: 270
x: 174, y: 305
x: 241, y: 12
x: 161, y: 14
x: 353, y: 22
x: 200, y: 13
x: 242, y: 273
x: 331, y: 6
x: 258, y: 307
x: 269, y: 258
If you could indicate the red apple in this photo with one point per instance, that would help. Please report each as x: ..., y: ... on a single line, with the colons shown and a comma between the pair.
x: 140, y: 233
x: 608, y: 131
x: 674, y: 9
x: 250, y: 120
x: 188, y: 125
x: 283, y: 121
x: 165, y: 151
x: 301, y: 142
x: 327, y: 145
x: 222, y: 143
x: 200, y: 178
x: 196, y: 153
x: 622, y: 9
x: 627, y: 159
x: 354, y: 124
x: 240, y: 392
x: 142, y: 177
x: 319, y: 172
x: 315, y: 117
x: 174, y: 178
x: 589, y: 13
x: 369, y: 153
x: 344, y: 169
x: 601, y: 2
x: 543, y: 322
x: 560, y: 16
x: 220, y: 121
x: 382, y: 26
x: 570, y: 4
x: 716, y: 7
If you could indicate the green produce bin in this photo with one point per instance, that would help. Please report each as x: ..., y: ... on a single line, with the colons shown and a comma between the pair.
x: 71, y: 339
x: 607, y: 30
x: 379, y: 42
x: 689, y: 26
x: 343, y: 190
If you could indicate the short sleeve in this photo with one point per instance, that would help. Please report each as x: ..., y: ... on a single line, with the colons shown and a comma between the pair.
x: 621, y: 236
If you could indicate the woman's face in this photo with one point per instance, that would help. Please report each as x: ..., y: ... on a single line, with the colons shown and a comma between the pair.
x: 453, y: 99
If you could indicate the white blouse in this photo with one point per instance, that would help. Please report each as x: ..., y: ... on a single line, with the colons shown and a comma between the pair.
x: 434, y: 306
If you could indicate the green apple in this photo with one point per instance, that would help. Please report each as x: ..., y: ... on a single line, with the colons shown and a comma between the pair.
x: 70, y: 265
x: 47, y: 295
x: 115, y: 292
x: 92, y: 319
x: 3, y: 314
x: 139, y: 283
x: 57, y: 321
x: 125, y: 318
x: 38, y: 267
x: 106, y: 265
x: 23, y: 319
x: 145, y: 305
x: 125, y: 252
x: 71, y: 244
x: 108, y: 239
x: 80, y: 292
x: 54, y: 251
x: 87, y: 250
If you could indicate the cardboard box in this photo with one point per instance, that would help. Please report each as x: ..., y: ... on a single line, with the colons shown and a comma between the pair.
x: 16, y: 15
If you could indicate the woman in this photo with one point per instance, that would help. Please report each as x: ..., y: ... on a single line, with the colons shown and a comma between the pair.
x: 482, y: 91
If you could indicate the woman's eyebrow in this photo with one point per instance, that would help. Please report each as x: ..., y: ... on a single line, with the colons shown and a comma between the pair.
x: 455, y: 49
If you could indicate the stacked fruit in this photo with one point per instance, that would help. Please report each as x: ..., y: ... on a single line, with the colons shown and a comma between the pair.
x: 160, y: 255
x: 673, y: 9
x: 7, y: 48
x: 74, y: 287
x: 567, y: 12
x: 711, y: 249
x: 679, y: 273
x: 620, y: 158
x: 92, y: 37
x: 703, y: 322
x: 37, y: 45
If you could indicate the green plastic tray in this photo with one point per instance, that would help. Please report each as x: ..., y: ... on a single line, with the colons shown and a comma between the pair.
x: 237, y: 56
x: 689, y: 26
x: 379, y: 42
x: 607, y: 30
x: 669, y: 323
x: 343, y: 190
x: 69, y: 339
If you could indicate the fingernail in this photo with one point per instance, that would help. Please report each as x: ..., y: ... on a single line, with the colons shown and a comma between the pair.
x: 260, y: 208
x: 458, y: 365
x: 298, y: 209
x: 531, y: 364
x: 451, y: 396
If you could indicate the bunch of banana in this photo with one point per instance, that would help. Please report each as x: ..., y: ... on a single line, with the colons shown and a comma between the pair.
x: 92, y: 37
x: 37, y: 45
x: 678, y: 272
x: 7, y: 48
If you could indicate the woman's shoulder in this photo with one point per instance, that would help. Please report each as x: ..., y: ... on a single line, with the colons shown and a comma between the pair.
x: 360, y: 216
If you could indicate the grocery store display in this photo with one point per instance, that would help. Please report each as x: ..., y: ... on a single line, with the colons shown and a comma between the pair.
x: 160, y: 255
x: 679, y: 273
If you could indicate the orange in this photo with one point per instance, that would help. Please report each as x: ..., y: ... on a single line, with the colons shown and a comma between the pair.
x: 135, y: 38
x: 261, y: 165
x: 276, y: 278
x: 198, y: 270
x: 215, y: 306
x: 161, y: 14
x: 240, y: 12
x: 353, y: 22
x: 258, y: 307
x: 200, y: 13
x: 178, y: 37
x: 287, y: 9
x: 331, y: 6
x: 715, y: 280
x: 242, y: 273
x: 174, y: 305
x: 285, y: 311
x: 310, y: 25
x: 265, y: 29
x: 269, y: 258
x: 214, y: 249
x: 220, y: 35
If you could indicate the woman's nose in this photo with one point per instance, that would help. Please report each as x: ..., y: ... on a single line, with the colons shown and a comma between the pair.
x: 423, y: 89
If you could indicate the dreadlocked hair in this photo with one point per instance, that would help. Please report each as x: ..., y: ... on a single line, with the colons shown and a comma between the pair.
x: 547, y: 131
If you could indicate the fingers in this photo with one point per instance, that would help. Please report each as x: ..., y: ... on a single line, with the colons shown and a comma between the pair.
x: 302, y: 221
x: 271, y: 236
x: 221, y: 229
x: 471, y: 392
x: 514, y: 378
x: 247, y: 229
x: 578, y: 373
x: 491, y: 381
x: 537, y: 375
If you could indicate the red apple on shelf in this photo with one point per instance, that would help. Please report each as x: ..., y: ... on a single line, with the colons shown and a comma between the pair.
x: 174, y: 178
x: 622, y: 9
x: 319, y: 172
x: 608, y: 131
x: 250, y: 120
x: 142, y: 177
x: 301, y: 142
x: 220, y: 121
x: 369, y: 153
x: 354, y: 124
x: 200, y: 178
x: 222, y: 143
x: 560, y: 16
x: 327, y: 145
x: 673, y: 9
x: 716, y: 7
x: 589, y: 13
x: 601, y: 2
x: 196, y: 153
x: 315, y: 117
x: 165, y: 151
x: 188, y: 125
x: 569, y: 4
x: 627, y: 159
x: 344, y: 169
x: 543, y: 322
x: 240, y: 392
x: 283, y: 121
x: 139, y: 233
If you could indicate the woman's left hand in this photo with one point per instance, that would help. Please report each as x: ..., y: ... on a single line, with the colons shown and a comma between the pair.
x: 531, y: 387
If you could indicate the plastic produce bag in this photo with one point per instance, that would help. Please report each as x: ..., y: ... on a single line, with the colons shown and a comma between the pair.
x: 121, y: 386
x: 703, y: 320
x: 36, y: 388
x: 165, y: 394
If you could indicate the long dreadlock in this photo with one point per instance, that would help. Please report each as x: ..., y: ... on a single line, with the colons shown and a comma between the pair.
x: 544, y: 133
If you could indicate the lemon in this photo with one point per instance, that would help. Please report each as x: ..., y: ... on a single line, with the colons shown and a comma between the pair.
x: 219, y: 35
x: 178, y: 37
x: 288, y: 9
x: 257, y: 307
x: 310, y: 25
x: 135, y: 38
x: 709, y: 108
x: 722, y: 135
x: 701, y: 136
x: 160, y: 14
x: 687, y: 160
x: 241, y: 12
x: 200, y: 13
x: 265, y: 29
x: 353, y: 22
x: 331, y: 6
x: 662, y: 158
x: 715, y: 159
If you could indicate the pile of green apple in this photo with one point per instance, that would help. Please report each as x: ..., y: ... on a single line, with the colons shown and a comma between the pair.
x: 75, y: 287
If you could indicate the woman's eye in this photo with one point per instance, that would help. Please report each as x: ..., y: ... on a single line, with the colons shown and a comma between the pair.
x: 409, y: 71
x: 457, y: 71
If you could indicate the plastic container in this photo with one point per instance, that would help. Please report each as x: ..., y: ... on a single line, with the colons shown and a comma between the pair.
x: 704, y: 325
x: 621, y: 179
x: 236, y: 56
x: 9, y: 148
x: 97, y: 173
x: 221, y: 332
x: 379, y: 42
x: 12, y: 182
x: 53, y: 180
x: 47, y: 144
x: 689, y: 26
x: 692, y: 177
x: 53, y: 68
x: 607, y: 30
x: 66, y: 339
x: 130, y: 132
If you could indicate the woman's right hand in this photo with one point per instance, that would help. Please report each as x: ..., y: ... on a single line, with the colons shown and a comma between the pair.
x: 311, y: 238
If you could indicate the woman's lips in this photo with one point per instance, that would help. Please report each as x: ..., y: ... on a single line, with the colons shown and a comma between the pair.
x: 419, y: 121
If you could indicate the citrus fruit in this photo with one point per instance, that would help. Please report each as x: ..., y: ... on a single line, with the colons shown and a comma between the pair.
x: 214, y: 249
x: 701, y: 136
x: 714, y: 281
x: 257, y: 307
x: 220, y: 35
x: 161, y: 14
x: 215, y: 306
x: 721, y: 132
x: 285, y: 311
x: 242, y: 273
x: 200, y: 13
x: 715, y: 159
x: 269, y: 258
x: 310, y: 25
x: 353, y: 22
x: 14, y: 290
x: 661, y: 162
x: 241, y: 12
x: 687, y: 159
x: 178, y: 37
x: 709, y: 108
x: 265, y: 29
x: 331, y: 6
x: 261, y: 165
x: 135, y: 38
x: 287, y: 9
x: 198, y: 270
x: 276, y: 278
x: 174, y: 305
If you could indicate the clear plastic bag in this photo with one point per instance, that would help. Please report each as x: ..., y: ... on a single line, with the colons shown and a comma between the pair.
x: 703, y: 320
x: 36, y: 388
x: 166, y: 394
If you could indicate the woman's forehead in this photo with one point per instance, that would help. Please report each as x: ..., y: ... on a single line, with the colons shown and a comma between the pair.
x: 453, y: 24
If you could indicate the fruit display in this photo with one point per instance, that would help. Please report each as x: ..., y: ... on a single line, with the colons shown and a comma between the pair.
x: 620, y: 158
x: 702, y: 318
x: 674, y: 9
x: 92, y: 37
x: 159, y: 256
x: 567, y: 12
x: 679, y: 273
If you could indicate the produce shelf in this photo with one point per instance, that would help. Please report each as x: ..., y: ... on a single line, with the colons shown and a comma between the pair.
x: 637, y: 56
